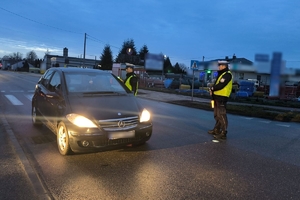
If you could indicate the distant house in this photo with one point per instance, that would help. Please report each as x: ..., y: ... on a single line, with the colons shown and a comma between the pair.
x: 241, y: 68
x: 66, y: 61
x: 244, y: 69
x: 19, y: 65
x: 7, y: 62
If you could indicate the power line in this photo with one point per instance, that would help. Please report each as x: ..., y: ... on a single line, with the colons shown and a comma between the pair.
x: 89, y: 36
x: 100, y: 41
x: 94, y: 39
x: 37, y: 21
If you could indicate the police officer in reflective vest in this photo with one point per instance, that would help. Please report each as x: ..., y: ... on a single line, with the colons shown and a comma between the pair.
x: 131, y: 80
x: 220, y: 93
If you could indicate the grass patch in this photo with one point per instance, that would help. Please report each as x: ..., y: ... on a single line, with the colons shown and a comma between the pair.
x: 245, y: 110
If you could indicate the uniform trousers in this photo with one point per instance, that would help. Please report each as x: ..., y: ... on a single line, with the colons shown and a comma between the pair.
x: 220, y: 115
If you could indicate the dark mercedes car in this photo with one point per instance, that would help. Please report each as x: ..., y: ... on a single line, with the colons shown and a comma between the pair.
x: 89, y: 110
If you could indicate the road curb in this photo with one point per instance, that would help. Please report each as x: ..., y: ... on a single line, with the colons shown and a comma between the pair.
x: 31, y: 173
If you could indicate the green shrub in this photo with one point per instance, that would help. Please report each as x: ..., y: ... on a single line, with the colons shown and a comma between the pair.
x: 245, y: 110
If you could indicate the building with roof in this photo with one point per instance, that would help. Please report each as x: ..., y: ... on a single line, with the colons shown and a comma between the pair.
x: 244, y: 69
x: 66, y: 61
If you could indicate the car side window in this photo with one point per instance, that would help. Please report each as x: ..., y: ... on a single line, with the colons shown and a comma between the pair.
x: 55, y: 83
x: 46, y: 78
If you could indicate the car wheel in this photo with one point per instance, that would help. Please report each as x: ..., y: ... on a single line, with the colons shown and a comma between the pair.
x: 63, y: 139
x: 36, y: 116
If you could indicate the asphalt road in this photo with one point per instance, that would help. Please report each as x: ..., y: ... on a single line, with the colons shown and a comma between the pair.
x: 259, y: 160
x: 14, y: 181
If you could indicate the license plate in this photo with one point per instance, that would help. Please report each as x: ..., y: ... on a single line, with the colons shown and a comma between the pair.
x: 118, y: 135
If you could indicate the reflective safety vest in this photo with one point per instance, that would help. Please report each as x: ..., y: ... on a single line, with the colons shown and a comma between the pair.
x: 128, y: 85
x: 227, y: 89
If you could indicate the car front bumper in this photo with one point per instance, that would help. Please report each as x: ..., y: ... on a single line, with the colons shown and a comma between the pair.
x: 82, y: 141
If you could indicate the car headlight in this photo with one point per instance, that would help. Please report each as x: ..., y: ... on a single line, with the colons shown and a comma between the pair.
x: 145, y: 116
x: 80, y: 121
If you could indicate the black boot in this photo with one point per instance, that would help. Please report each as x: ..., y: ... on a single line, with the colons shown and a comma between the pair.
x: 214, y: 131
x: 222, y: 135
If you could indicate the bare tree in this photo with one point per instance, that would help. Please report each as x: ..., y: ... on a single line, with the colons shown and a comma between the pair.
x: 31, y: 57
x: 16, y: 56
x: 183, y: 67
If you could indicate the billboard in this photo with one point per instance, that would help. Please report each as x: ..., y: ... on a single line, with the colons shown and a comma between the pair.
x: 154, y: 61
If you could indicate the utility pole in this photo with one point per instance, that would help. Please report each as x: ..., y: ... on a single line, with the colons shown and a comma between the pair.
x: 203, y: 77
x: 84, y: 50
x: 17, y: 61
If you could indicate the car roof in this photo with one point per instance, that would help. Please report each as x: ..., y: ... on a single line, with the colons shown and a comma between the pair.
x: 77, y: 69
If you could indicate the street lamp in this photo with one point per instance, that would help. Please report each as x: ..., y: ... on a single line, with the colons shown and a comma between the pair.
x: 129, y: 51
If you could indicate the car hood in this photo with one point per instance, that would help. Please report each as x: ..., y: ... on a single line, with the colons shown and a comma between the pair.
x: 104, y: 107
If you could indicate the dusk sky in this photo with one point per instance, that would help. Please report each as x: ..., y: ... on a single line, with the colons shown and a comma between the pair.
x: 182, y: 30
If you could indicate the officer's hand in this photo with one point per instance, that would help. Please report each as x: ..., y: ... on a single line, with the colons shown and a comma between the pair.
x: 210, y: 91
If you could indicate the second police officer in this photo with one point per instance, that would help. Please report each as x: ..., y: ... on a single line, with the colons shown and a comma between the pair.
x: 220, y: 93
x: 131, y: 80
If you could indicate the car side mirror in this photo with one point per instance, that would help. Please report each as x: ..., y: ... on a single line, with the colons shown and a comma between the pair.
x: 52, y: 95
x: 37, y: 87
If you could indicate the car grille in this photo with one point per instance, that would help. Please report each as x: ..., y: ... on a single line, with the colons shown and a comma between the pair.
x: 119, y: 124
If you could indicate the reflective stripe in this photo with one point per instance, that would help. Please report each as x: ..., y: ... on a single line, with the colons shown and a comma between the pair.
x: 128, y: 85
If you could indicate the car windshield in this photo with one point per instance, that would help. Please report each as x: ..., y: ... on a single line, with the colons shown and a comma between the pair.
x: 92, y: 83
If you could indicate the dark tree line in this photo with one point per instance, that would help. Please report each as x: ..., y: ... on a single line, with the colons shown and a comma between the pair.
x: 129, y: 54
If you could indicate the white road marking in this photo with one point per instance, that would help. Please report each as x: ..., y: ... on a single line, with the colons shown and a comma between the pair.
x: 248, y: 118
x: 13, y: 100
x: 267, y: 122
x: 17, y: 91
x: 284, y: 125
x: 29, y: 96
x: 30, y: 91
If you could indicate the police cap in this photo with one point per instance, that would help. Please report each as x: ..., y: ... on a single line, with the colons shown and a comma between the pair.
x: 130, y: 66
x: 223, y: 62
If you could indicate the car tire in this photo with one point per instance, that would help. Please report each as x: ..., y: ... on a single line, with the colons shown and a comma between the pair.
x: 63, y: 139
x: 36, y: 116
